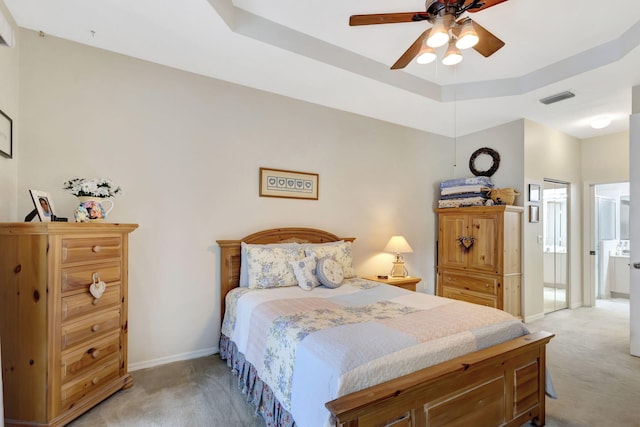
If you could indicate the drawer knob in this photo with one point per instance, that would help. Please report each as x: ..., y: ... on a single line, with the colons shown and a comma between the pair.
x: 96, y: 248
x: 95, y: 354
x: 95, y: 328
x: 95, y: 381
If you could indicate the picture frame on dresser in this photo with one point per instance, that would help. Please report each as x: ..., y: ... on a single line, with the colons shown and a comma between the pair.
x: 43, y: 205
x: 6, y: 136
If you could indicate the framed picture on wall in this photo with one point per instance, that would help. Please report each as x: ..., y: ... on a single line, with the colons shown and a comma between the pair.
x: 6, y: 136
x: 288, y: 184
x: 534, y: 193
x: 534, y: 213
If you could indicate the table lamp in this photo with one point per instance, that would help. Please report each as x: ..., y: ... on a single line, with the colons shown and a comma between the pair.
x: 398, y: 245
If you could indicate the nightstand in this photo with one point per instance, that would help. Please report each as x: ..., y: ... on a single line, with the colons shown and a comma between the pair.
x: 408, y: 282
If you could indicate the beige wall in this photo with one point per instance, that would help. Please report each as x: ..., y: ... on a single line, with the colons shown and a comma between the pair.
x: 554, y: 155
x: 9, y: 105
x: 186, y: 149
x: 605, y: 159
x: 507, y: 141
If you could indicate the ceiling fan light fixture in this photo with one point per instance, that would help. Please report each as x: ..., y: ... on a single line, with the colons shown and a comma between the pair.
x: 453, y: 55
x: 427, y: 55
x: 439, y: 34
x: 468, y: 36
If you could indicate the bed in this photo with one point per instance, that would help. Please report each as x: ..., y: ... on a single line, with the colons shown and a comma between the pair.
x: 497, y: 383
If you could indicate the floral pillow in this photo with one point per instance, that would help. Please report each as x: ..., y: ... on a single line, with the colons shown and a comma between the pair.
x: 329, y: 272
x: 340, y: 251
x: 244, y: 263
x: 305, y: 272
x: 269, y: 267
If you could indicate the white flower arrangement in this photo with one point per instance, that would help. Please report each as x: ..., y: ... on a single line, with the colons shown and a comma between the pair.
x: 94, y: 187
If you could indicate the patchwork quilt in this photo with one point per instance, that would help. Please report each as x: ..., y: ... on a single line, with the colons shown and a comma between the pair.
x: 311, y: 347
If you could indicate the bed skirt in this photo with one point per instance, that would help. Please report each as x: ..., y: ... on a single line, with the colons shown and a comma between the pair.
x: 259, y: 394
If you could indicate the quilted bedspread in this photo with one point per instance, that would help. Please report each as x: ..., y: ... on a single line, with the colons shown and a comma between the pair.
x: 313, y: 346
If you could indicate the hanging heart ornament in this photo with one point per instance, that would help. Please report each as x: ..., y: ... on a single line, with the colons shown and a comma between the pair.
x: 98, y: 287
x: 466, y: 241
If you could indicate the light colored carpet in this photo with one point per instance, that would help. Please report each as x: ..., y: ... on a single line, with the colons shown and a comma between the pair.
x: 597, y: 381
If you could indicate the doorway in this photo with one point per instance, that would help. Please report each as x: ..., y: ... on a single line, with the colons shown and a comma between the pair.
x: 555, y: 217
x: 611, y: 240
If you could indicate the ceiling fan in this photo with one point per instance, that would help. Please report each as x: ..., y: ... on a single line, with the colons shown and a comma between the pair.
x: 447, y: 28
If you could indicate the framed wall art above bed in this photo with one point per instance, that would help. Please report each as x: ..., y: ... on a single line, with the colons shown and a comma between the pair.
x: 288, y: 184
x: 370, y: 354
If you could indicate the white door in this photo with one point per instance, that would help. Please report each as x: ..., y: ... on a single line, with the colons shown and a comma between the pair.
x: 634, y: 228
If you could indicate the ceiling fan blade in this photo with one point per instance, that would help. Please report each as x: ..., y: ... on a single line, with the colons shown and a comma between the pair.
x: 488, y: 44
x: 411, y: 53
x: 487, y: 4
x: 387, y: 18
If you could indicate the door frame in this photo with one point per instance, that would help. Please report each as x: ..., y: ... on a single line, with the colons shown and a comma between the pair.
x: 568, y: 245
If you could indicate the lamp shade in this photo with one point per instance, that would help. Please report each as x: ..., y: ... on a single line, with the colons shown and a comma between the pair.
x: 398, y: 244
x: 453, y: 55
x: 427, y: 55
x: 439, y: 35
x: 467, y: 37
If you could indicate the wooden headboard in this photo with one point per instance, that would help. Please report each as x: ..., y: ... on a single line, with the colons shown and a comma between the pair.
x: 230, y: 251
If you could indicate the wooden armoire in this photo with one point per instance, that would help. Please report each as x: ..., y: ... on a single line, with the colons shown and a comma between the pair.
x: 480, y: 255
x: 64, y: 345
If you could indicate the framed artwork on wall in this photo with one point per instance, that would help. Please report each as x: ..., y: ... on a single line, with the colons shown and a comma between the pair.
x: 288, y: 184
x: 534, y: 193
x: 534, y: 213
x: 6, y: 136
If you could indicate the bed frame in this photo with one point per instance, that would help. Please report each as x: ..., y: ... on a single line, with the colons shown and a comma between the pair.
x: 503, y: 385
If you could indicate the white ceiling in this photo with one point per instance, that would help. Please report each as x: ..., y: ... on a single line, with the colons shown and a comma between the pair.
x: 306, y: 50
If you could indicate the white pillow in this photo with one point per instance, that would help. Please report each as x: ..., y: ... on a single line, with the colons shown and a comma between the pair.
x: 339, y: 251
x: 269, y: 267
x: 305, y: 272
x: 244, y: 264
x: 329, y: 272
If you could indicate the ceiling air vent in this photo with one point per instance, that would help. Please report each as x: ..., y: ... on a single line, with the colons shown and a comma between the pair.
x: 557, y: 97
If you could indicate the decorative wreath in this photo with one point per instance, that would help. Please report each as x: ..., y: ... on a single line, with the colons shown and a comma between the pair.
x: 494, y: 165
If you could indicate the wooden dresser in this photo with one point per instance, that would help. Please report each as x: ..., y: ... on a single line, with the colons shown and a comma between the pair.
x: 63, y: 349
x: 489, y: 270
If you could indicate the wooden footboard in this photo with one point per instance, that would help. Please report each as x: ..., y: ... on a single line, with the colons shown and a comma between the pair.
x: 503, y: 385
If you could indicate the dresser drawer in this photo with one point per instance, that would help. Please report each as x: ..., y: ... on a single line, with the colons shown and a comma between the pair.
x: 80, y: 304
x: 91, y: 249
x: 77, y: 362
x: 455, y: 293
x: 89, y: 328
x: 91, y: 381
x: 80, y: 278
x: 475, y: 283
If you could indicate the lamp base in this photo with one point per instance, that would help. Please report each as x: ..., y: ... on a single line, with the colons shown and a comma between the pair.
x: 398, y: 270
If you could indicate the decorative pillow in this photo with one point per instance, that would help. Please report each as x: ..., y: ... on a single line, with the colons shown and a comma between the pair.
x: 244, y: 264
x: 269, y: 267
x: 305, y: 272
x: 329, y: 272
x: 339, y: 251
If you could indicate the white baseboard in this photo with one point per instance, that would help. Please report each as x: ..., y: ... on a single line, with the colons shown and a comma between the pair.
x: 529, y: 319
x: 174, y: 358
